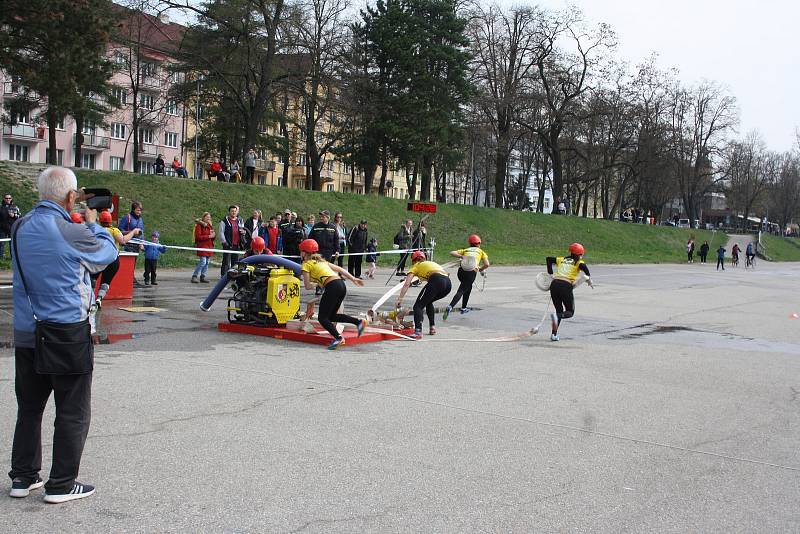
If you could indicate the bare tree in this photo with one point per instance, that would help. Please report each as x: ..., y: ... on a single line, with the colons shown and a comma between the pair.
x: 749, y: 169
x: 784, y: 193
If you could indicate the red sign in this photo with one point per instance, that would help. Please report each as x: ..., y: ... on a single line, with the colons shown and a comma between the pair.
x: 422, y: 207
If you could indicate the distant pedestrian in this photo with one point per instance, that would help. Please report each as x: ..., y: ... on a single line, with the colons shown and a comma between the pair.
x: 203, y: 238
x: 690, y: 250
x: 151, y: 255
x: 356, y: 245
x: 341, y: 236
x: 159, y: 165
x: 372, y: 258
x: 249, y: 166
x: 254, y: 225
x: 272, y: 236
x: 128, y: 222
x: 9, y: 213
x: 721, y: 257
x: 310, y: 222
x: 292, y: 237
x: 704, y: 251
x: 232, y: 235
x: 178, y: 167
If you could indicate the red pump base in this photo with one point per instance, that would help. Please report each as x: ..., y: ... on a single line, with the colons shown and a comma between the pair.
x: 372, y: 335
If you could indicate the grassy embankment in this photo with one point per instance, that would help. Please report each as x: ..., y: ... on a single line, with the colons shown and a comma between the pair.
x: 782, y: 248
x: 509, y: 237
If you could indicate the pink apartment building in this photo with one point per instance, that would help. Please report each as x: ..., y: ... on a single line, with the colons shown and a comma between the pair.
x: 143, y: 62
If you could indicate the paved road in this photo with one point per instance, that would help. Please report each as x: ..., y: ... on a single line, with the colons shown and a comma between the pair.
x: 672, y: 404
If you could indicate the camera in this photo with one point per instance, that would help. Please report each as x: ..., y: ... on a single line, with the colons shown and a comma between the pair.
x: 101, y: 198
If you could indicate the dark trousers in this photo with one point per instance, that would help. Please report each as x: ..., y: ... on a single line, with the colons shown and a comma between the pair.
x: 720, y: 263
x: 3, y: 235
x: 438, y: 287
x: 466, y: 279
x: 354, y: 264
x: 248, y: 174
x: 332, y: 298
x: 401, y: 266
x: 340, y: 259
x: 150, y: 267
x: 108, y: 274
x: 228, y: 259
x: 72, y: 395
x: 563, y: 299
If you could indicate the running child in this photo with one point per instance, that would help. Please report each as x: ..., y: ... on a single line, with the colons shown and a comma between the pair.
x: 438, y: 287
x: 372, y: 257
x: 473, y: 261
x: 565, y: 274
x: 318, y: 272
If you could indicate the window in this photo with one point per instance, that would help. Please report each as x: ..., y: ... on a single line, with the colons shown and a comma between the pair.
x: 20, y: 118
x: 329, y: 163
x: 59, y: 156
x: 148, y: 69
x: 118, y: 130
x: 120, y: 59
x: 171, y: 139
x: 146, y: 167
x: 115, y: 163
x: 171, y: 107
x: 89, y: 128
x: 146, y: 136
x: 120, y: 95
x: 17, y: 152
x: 147, y: 101
x: 301, y: 160
x: 547, y: 203
x: 329, y: 188
x: 87, y: 161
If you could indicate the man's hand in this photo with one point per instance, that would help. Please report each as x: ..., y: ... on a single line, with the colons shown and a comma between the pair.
x: 137, y: 231
x: 90, y: 216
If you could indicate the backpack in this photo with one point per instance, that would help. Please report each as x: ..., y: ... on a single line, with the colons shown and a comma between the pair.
x: 470, y: 260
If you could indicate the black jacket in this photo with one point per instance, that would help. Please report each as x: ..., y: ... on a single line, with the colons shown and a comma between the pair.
x: 292, y: 236
x: 8, y: 214
x: 326, y: 237
x: 357, y: 240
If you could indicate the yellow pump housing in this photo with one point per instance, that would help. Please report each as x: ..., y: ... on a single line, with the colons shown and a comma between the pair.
x: 283, y: 294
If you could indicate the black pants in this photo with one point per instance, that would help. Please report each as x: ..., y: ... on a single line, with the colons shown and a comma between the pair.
x: 150, y: 267
x: 72, y: 395
x: 3, y: 235
x: 332, y: 298
x: 340, y: 259
x: 438, y: 287
x: 107, y: 274
x: 228, y: 259
x: 563, y: 299
x: 354, y: 264
x: 720, y: 263
x: 466, y: 279
x: 703, y: 257
x: 690, y: 254
x: 248, y: 174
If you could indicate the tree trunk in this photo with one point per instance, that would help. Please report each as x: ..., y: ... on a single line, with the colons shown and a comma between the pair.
x: 412, y: 183
x: 557, y: 163
x: 78, y: 141
x: 384, y: 170
x: 51, y: 140
x: 369, y: 177
x: 425, y: 182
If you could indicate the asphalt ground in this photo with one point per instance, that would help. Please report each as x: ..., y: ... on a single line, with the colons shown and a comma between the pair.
x: 671, y: 404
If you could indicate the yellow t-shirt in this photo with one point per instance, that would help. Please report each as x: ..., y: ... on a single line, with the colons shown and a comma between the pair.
x: 424, y: 269
x: 114, y: 231
x: 318, y: 271
x: 481, y: 257
x: 567, y: 269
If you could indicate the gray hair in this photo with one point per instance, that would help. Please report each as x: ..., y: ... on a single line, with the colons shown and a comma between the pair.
x: 55, y: 183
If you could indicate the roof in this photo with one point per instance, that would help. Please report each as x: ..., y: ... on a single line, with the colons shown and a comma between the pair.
x: 158, y: 38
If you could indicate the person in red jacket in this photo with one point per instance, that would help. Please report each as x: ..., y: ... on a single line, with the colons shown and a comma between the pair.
x: 272, y: 235
x: 203, y: 238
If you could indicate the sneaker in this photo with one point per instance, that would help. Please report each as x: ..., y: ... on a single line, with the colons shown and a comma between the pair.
x: 416, y: 335
x: 362, y: 324
x: 153, y: 283
x: 446, y: 313
x: 147, y: 282
x: 98, y: 303
x: 22, y: 488
x: 195, y: 280
x: 78, y: 491
x: 554, y: 337
x: 465, y: 311
x: 415, y: 283
x: 432, y: 331
x: 336, y: 343
x: 203, y: 280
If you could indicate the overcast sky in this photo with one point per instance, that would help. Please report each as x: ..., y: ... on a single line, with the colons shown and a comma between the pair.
x: 749, y: 46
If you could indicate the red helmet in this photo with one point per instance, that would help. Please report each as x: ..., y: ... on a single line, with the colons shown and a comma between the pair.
x: 418, y: 255
x: 474, y: 240
x: 76, y: 217
x: 577, y: 249
x: 309, y: 245
x: 105, y: 217
x: 257, y: 244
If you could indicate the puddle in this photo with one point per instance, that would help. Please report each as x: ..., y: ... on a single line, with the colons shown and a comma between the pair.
x: 658, y: 330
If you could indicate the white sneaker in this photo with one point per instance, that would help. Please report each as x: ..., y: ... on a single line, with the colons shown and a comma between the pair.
x: 554, y: 337
x: 93, y: 319
x: 78, y: 491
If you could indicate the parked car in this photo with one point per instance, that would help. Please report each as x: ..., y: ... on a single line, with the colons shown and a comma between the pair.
x: 683, y: 223
x: 667, y: 223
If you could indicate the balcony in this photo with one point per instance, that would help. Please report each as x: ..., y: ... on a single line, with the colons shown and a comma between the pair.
x: 151, y: 82
x: 265, y: 165
x: 90, y: 141
x: 11, y: 88
x: 148, y: 151
x: 24, y: 132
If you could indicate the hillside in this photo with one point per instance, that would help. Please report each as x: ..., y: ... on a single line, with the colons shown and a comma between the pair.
x: 510, y: 237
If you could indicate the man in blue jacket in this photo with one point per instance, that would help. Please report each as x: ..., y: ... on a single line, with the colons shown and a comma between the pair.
x: 59, y: 291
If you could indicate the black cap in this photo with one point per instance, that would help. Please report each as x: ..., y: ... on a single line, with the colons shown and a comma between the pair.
x: 363, y: 221
x: 325, y: 212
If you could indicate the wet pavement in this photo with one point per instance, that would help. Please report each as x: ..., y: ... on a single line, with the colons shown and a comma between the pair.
x: 671, y: 404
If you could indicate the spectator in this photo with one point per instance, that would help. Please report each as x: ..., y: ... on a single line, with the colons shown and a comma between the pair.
x: 74, y: 252
x: 721, y: 257
x: 203, y: 238
x: 223, y: 175
x: 130, y: 221
x: 312, y: 220
x: 235, y: 174
x: 324, y: 233
x: 9, y: 213
x: 292, y: 237
x: 151, y: 255
x: 214, y: 170
x: 254, y: 225
x: 272, y: 236
x: 179, y: 169
x: 249, y: 166
x: 704, y: 251
x: 420, y: 237
x: 356, y: 244
x: 403, y: 241
x: 562, y: 207
x: 341, y: 235
x: 159, y: 165
x: 372, y: 258
x: 231, y: 233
